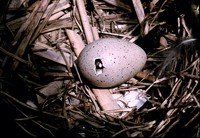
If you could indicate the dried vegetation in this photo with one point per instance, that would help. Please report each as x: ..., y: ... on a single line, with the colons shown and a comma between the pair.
x: 43, y: 95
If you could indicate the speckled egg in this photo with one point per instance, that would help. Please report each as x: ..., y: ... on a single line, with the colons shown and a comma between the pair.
x: 109, y: 62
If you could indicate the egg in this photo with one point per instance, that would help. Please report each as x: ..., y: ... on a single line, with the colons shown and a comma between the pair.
x: 109, y: 62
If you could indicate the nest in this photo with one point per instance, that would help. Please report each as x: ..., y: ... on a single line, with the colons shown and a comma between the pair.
x: 41, y: 90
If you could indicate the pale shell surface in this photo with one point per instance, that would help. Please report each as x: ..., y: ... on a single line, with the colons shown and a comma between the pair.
x: 108, y: 62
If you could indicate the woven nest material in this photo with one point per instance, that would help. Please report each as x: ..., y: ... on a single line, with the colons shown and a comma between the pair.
x: 42, y: 93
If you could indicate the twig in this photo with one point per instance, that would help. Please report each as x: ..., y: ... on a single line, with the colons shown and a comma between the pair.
x: 119, y: 4
x: 85, y: 22
x: 25, y: 130
x: 31, y: 23
x: 41, y: 26
x: 77, y: 44
x: 103, y: 96
x: 139, y: 10
x: 27, y: 106
x: 14, y: 56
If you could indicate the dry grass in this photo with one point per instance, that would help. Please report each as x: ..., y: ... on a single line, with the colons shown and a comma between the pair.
x: 42, y: 93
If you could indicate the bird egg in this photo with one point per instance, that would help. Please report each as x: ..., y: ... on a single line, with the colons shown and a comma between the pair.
x: 109, y: 62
